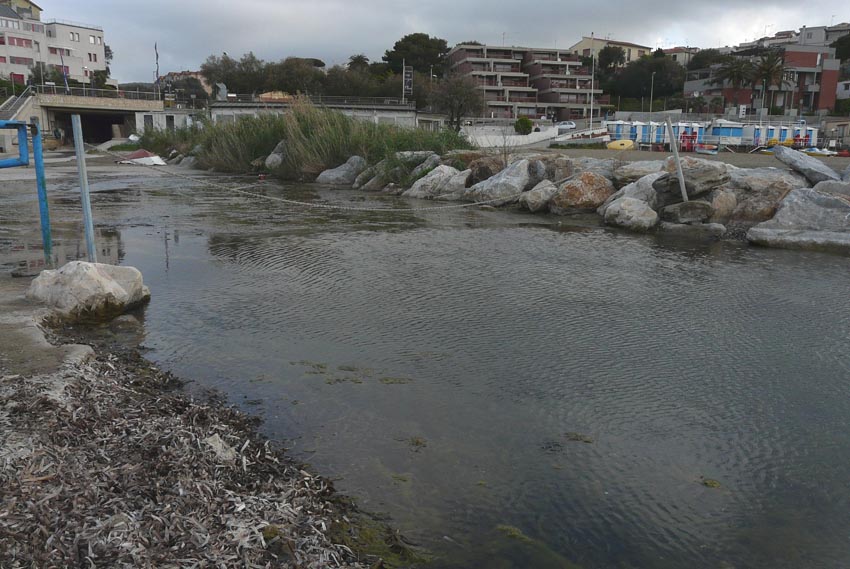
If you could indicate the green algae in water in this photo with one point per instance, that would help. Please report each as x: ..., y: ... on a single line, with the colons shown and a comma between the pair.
x: 374, y: 542
x: 710, y: 483
x: 394, y: 380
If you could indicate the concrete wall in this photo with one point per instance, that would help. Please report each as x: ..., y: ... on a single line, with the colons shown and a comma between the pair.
x: 405, y: 118
x: 98, y: 103
x: 159, y: 120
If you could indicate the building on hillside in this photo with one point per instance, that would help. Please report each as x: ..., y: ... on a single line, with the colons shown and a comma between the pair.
x: 809, y: 83
x: 823, y: 35
x: 528, y: 81
x: 681, y: 55
x: 27, y: 41
x: 785, y: 37
x: 587, y: 46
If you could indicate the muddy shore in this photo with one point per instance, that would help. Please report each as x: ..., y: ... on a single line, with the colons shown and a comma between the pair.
x: 106, y: 461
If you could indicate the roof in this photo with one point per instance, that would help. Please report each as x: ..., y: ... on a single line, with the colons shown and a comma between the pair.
x: 618, y: 42
x: 681, y: 50
x: 7, y: 12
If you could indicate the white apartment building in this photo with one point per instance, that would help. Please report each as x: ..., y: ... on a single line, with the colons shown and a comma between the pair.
x: 26, y: 41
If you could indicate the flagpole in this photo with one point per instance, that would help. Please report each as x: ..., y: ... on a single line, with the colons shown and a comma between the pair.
x: 156, y: 78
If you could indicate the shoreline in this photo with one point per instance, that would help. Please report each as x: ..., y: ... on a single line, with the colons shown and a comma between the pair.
x: 106, y: 459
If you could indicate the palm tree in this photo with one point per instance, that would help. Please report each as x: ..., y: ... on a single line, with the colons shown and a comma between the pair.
x: 734, y: 72
x: 769, y: 71
x: 358, y: 62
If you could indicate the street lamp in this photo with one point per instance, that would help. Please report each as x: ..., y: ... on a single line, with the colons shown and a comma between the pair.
x: 85, y: 76
x: 651, y: 95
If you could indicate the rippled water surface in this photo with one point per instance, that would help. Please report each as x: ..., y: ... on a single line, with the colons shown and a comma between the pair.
x: 465, y: 371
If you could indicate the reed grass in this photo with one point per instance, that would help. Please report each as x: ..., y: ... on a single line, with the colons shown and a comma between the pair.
x: 315, y: 139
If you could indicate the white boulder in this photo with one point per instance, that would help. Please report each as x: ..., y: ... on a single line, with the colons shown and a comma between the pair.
x: 89, y: 291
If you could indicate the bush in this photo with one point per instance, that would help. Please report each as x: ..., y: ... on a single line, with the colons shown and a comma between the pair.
x: 523, y: 125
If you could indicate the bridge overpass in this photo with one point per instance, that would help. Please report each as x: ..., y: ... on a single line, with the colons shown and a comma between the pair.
x: 103, y: 111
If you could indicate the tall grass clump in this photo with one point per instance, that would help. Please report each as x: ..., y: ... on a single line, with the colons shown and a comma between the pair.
x: 164, y: 141
x: 315, y: 139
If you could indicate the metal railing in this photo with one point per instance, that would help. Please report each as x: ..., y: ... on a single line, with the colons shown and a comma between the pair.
x: 9, y: 112
x: 97, y: 93
x: 73, y: 23
x: 330, y: 101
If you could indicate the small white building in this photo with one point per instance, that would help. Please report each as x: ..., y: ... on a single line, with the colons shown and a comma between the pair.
x: 843, y: 90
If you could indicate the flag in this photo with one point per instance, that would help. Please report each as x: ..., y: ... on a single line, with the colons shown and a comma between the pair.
x: 156, y: 51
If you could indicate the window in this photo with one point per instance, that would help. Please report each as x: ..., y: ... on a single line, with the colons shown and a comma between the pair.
x: 2, y: 59
x: 99, y: 40
x: 20, y: 42
x: 60, y: 69
x: 2, y: 39
x: 20, y: 60
x: 809, y: 35
x: 847, y: 86
x: 91, y: 40
x: 148, y: 121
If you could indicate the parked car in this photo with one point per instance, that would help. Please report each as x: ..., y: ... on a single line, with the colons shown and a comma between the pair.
x: 565, y: 126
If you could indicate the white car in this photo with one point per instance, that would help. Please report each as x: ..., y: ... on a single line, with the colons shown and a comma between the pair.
x: 564, y: 126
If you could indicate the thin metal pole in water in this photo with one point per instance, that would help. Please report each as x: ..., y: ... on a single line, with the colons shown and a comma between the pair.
x: 79, y: 146
x: 676, y: 157
x: 44, y: 212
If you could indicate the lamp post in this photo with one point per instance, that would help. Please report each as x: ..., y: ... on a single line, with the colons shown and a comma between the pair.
x: 85, y: 76
x: 651, y: 96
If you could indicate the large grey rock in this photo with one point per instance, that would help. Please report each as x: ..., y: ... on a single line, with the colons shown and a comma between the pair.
x: 812, y: 168
x: 189, y: 162
x: 701, y: 175
x: 693, y: 230
x: 558, y: 167
x: 633, y: 171
x: 723, y: 204
x: 414, y: 156
x: 429, y: 164
x: 831, y: 187
x: 89, y: 291
x: 602, y: 166
x: 758, y: 191
x: 668, y: 191
x: 367, y: 175
x: 584, y: 191
x: 343, y: 175
x: 276, y: 157
x: 432, y: 184
x: 537, y: 198
x: 695, y: 211
x: 506, y: 186
x: 807, y: 219
x: 455, y: 187
x: 485, y: 167
x: 273, y: 161
x: 632, y: 214
x: 641, y: 189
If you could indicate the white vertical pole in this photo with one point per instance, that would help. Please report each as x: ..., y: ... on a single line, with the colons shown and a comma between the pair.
x: 592, y: 76
x: 403, y: 69
x: 679, y: 172
x: 79, y: 147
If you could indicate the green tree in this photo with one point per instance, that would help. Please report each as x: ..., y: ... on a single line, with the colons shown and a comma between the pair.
x: 842, y: 48
x: 705, y: 58
x: 768, y: 72
x: 735, y: 72
x: 419, y: 51
x: 523, y: 125
x: 295, y: 75
x: 40, y: 74
x: 220, y: 70
x: 610, y: 57
x: 635, y: 79
x: 97, y: 79
x: 358, y: 62
x: 458, y: 97
x: 659, y: 54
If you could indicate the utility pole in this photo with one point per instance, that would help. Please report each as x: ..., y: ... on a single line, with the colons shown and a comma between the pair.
x: 651, y: 95
x: 592, y: 77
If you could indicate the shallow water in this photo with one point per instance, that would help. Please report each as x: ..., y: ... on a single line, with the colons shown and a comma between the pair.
x: 463, y: 370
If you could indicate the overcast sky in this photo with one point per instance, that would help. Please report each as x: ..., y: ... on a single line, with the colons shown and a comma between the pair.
x: 187, y: 31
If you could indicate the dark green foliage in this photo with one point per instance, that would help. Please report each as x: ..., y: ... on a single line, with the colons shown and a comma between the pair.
x: 610, y: 57
x: 523, y: 125
x: 706, y: 58
x: 458, y: 97
x: 635, y: 80
x: 842, y: 48
x: 419, y: 51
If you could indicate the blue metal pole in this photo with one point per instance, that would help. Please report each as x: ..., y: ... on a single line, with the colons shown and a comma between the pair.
x: 38, y: 158
x: 79, y: 147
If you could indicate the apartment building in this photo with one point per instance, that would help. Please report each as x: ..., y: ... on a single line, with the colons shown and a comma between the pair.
x: 589, y: 45
x: 27, y: 41
x: 526, y: 81
x: 809, y: 84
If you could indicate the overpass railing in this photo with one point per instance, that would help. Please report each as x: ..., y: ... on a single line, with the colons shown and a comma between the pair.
x: 98, y: 93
